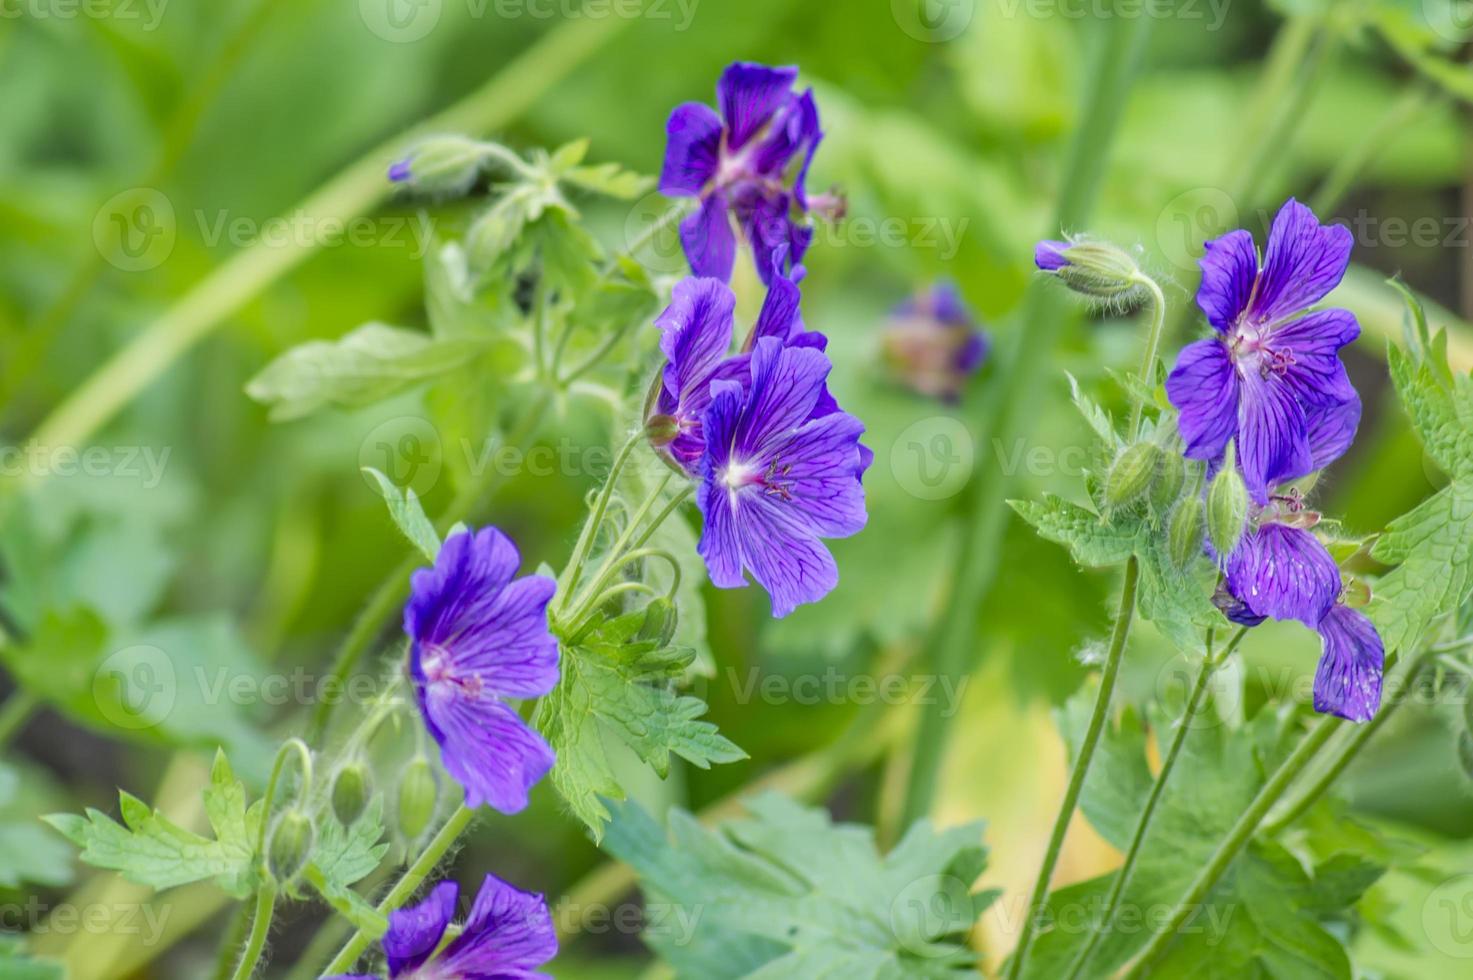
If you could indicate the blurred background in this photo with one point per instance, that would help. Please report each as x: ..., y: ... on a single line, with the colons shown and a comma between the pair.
x: 199, y: 185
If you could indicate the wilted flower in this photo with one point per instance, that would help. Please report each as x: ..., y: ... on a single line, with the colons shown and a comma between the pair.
x: 479, y: 636
x: 747, y: 164
x: 932, y: 343
x: 508, y: 935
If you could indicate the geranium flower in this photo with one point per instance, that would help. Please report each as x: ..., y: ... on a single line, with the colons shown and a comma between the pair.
x: 932, y: 343
x: 479, y: 636
x: 508, y: 935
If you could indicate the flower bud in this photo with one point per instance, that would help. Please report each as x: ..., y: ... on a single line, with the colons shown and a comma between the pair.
x: 1465, y: 753
x: 350, y: 792
x: 418, y: 792
x: 659, y: 622
x: 1184, y: 533
x: 441, y: 165
x: 1171, y: 476
x: 1099, y: 270
x: 1131, y: 474
x: 662, y: 429
x: 1227, y: 508
x: 290, y: 845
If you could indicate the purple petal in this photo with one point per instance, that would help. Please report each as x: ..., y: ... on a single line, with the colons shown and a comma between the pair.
x: 1348, y: 680
x: 719, y: 546
x: 1229, y: 268
x: 785, y: 557
x: 708, y: 239
x: 415, y: 932
x: 695, y: 334
x: 485, y: 746
x: 794, y: 130
x: 1312, y: 345
x: 508, y: 935
x: 749, y: 93
x: 469, y: 572
x: 1304, y: 261
x: 1048, y: 255
x: 779, y: 317
x: 1331, y: 431
x: 767, y: 222
x: 1273, y: 437
x: 400, y: 171
x: 1284, y: 572
x: 821, y: 465
x: 693, y: 152
x: 786, y: 384
x: 1205, y: 390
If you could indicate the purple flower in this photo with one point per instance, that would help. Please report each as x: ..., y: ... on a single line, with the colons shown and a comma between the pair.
x: 1348, y: 680
x: 1271, y: 377
x: 775, y: 479
x: 747, y: 164
x: 1049, y: 255
x: 479, y: 636
x: 932, y: 343
x: 508, y: 935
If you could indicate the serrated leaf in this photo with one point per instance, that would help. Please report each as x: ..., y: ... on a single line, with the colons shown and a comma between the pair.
x: 1099, y: 420
x: 616, y: 685
x: 364, y: 366
x: 347, y: 903
x: 409, y: 516
x: 610, y: 179
x: 801, y: 896
x: 347, y: 855
x: 149, y: 849
x: 1089, y: 537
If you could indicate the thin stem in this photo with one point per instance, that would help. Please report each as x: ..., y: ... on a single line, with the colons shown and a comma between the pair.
x: 589, y: 533
x: 1006, y: 409
x: 596, y: 357
x: 664, y: 221
x: 1123, y: 617
x: 1347, y: 753
x: 354, y: 192
x: 17, y: 710
x: 1153, y: 343
x: 235, y: 934
x: 407, y: 885
x: 621, y: 546
x: 291, y: 748
x: 260, y: 928
x: 1237, y: 839
x: 1195, y: 700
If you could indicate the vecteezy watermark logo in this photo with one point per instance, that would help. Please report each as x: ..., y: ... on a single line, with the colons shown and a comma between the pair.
x: 135, y: 688
x: 400, y: 21
x: 1190, y: 220
x: 928, y: 910
x: 933, y: 21
x: 1447, y: 917
x: 652, y: 236
x: 149, y: 12
x: 135, y: 230
x: 407, y: 450
x: 933, y: 459
x: 1451, y: 20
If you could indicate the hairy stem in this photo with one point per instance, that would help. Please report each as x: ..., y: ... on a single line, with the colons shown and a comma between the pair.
x: 250, y: 957
x: 1148, y: 356
x: 1195, y: 700
x: 1123, y: 617
x: 1238, y: 837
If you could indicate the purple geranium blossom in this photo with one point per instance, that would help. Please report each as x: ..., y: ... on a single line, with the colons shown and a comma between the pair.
x: 479, y: 636
x: 508, y: 935
x: 775, y: 479
x: 1348, y: 680
x: 1048, y: 255
x: 748, y: 163
x: 1271, y: 377
x: 932, y: 342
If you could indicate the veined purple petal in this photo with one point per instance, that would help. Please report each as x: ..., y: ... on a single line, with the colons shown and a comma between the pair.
x: 1048, y: 255
x: 695, y: 334
x: 822, y: 468
x: 1311, y: 346
x: 1304, y: 261
x: 749, y: 93
x: 1285, y: 573
x: 1229, y: 268
x: 786, y: 384
x: 508, y: 934
x: 794, y: 130
x: 708, y: 239
x: 785, y: 557
x: 468, y: 574
x: 779, y: 317
x: 1204, y: 388
x: 693, y: 151
x: 767, y: 222
x: 1331, y: 431
x: 485, y: 746
x: 1348, y: 680
x: 415, y: 932
x: 719, y: 545
x: 1273, y: 436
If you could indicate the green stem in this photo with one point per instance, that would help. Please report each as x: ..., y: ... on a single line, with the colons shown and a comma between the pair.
x: 354, y: 192
x: 1195, y: 701
x: 390, y: 594
x: 15, y: 713
x: 1006, y: 408
x: 1123, y: 617
x: 407, y: 885
x: 235, y: 934
x: 1347, y: 753
x: 260, y: 928
x: 622, y: 546
x: 664, y: 221
x: 1153, y: 343
x: 1238, y: 837
x: 596, y: 518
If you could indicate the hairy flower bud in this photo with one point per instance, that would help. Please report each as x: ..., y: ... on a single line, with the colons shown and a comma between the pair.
x: 441, y: 165
x: 1184, y: 533
x: 290, y: 845
x: 418, y: 792
x: 1105, y: 273
x: 350, y: 792
x: 1171, y: 476
x: 659, y: 622
x: 662, y: 429
x: 1131, y: 474
x: 1227, y: 508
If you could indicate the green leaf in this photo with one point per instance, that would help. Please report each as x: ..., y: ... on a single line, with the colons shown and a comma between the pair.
x: 800, y: 896
x: 347, y: 855
x: 1094, y: 541
x: 16, y: 965
x: 408, y: 514
x: 28, y: 853
x: 611, y: 180
x: 349, y: 904
x: 149, y: 849
x: 364, y: 366
x: 617, y: 685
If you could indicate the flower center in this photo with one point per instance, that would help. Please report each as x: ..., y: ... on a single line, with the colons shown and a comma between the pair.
x: 739, y: 475
x: 435, y: 663
x: 1250, y: 347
